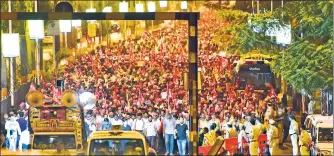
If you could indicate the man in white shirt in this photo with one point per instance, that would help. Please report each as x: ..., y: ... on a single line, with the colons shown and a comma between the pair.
x: 138, y: 124
x: 293, y: 131
x: 13, y: 130
x: 151, y: 131
x: 116, y: 121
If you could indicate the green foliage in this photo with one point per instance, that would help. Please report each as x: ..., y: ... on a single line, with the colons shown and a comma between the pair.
x: 307, y: 62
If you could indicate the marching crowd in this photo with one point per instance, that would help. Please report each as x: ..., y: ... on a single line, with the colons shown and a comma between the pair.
x: 138, y: 84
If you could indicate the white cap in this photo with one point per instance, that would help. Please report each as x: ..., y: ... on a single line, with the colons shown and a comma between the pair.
x: 271, y: 121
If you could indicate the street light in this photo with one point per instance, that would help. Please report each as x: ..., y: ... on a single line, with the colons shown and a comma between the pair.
x: 106, y: 9
x: 151, y: 8
x: 139, y: 8
x: 36, y: 29
x: 65, y: 27
x: 163, y: 3
x: 10, y: 48
x: 184, y: 5
x: 124, y: 7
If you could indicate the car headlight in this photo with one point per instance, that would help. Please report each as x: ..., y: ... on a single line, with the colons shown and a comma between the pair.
x: 325, y: 153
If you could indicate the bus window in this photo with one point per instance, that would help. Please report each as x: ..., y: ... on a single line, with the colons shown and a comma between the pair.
x: 255, y: 74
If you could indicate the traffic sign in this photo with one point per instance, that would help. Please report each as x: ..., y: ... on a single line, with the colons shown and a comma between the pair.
x: 53, y: 28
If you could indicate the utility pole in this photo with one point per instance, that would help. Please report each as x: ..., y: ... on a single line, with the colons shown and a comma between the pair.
x: 37, y: 56
x: 11, y: 62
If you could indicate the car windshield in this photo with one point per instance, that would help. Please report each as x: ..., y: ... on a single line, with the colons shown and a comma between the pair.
x: 325, y: 134
x: 51, y: 141
x: 116, y: 147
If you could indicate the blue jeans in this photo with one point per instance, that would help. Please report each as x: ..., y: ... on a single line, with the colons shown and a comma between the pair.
x: 169, y: 142
x: 181, y: 144
x: 151, y: 140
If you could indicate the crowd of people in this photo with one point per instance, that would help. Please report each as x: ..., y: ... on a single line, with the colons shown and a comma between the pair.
x: 138, y: 84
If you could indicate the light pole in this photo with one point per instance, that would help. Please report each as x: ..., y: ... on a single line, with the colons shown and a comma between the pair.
x: 151, y: 8
x: 124, y: 7
x: 12, y: 83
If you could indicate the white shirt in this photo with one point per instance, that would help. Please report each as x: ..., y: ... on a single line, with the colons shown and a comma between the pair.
x: 13, y: 125
x: 117, y: 122
x: 293, y: 127
x: 99, y: 119
x: 242, y: 134
x: 151, y: 129
x: 130, y: 121
x: 138, y: 125
x: 24, y: 139
x: 157, y: 123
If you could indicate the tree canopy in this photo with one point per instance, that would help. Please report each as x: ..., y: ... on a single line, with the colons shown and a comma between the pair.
x: 307, y: 62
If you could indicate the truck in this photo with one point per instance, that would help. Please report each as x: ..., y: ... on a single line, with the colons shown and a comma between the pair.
x: 55, y: 125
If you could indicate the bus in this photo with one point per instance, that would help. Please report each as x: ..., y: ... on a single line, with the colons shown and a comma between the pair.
x: 255, y: 72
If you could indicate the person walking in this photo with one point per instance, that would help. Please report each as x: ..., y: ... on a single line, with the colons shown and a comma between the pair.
x: 169, y: 127
x: 293, y: 131
x: 230, y: 131
x: 13, y: 130
x: 151, y: 131
x: 23, y: 123
x: 181, y: 133
x: 272, y: 137
x: 253, y: 136
x: 138, y: 124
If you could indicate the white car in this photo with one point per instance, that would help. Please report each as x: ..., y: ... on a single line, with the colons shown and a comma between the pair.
x: 323, y: 139
x: 312, y: 120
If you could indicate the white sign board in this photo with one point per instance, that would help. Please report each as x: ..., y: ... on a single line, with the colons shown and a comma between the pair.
x: 65, y: 25
x: 10, y: 45
x: 53, y: 28
x: 36, y: 29
x: 283, y: 34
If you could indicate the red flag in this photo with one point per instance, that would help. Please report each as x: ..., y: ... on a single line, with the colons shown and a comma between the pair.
x: 141, y: 97
x: 246, y: 89
x: 237, y: 82
x: 272, y: 90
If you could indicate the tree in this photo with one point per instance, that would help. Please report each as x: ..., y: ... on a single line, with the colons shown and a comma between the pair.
x: 306, y: 63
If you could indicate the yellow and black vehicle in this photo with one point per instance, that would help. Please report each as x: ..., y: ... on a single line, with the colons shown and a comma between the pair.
x: 117, y: 142
x: 57, y: 129
x: 255, y: 70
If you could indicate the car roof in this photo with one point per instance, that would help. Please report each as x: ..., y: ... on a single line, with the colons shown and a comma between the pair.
x: 119, y: 134
x: 316, y: 119
x: 325, y: 124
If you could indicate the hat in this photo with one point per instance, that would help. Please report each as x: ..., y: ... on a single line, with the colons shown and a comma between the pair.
x: 271, y: 121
